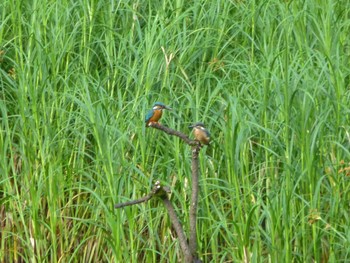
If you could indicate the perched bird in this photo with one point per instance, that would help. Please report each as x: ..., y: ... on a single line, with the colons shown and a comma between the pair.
x: 155, y: 113
x: 201, y: 134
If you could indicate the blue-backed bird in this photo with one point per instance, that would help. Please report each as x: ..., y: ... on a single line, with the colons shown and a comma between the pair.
x: 201, y: 134
x: 155, y: 113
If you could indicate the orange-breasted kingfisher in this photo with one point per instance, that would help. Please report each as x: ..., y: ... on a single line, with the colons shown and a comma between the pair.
x: 201, y: 134
x: 155, y: 113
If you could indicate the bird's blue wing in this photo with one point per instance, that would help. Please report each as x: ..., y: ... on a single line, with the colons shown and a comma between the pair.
x: 207, y: 133
x: 149, y: 115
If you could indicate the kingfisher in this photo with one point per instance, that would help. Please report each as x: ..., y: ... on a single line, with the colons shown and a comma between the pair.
x: 155, y: 113
x: 201, y: 134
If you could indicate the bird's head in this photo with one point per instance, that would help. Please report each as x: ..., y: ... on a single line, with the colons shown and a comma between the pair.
x: 160, y: 106
x: 197, y: 125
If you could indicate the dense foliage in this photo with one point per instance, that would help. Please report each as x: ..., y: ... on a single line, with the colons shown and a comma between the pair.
x: 270, y: 79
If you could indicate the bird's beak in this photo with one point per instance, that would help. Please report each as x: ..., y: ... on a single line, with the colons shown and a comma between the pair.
x: 167, y: 107
x: 191, y: 126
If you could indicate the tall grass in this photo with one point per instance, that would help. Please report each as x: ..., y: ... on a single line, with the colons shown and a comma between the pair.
x: 269, y: 78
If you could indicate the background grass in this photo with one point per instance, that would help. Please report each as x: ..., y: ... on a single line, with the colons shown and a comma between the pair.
x: 269, y: 78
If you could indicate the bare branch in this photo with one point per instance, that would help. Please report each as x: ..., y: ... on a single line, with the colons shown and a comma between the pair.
x: 194, y: 200
x: 157, y: 190
x: 162, y: 192
x: 170, y: 131
x: 134, y: 202
x: 196, y: 147
x: 179, y: 230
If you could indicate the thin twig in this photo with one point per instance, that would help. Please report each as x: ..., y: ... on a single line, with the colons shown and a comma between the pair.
x: 134, y: 202
x: 156, y: 190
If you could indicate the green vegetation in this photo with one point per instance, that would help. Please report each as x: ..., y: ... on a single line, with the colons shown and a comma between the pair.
x: 270, y: 79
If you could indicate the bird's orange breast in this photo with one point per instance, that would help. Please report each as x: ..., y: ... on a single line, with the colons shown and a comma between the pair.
x: 156, y: 116
x: 201, y: 136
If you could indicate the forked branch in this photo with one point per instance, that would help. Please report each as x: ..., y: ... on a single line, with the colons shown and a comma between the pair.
x: 189, y: 249
x: 162, y: 192
x: 196, y: 147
